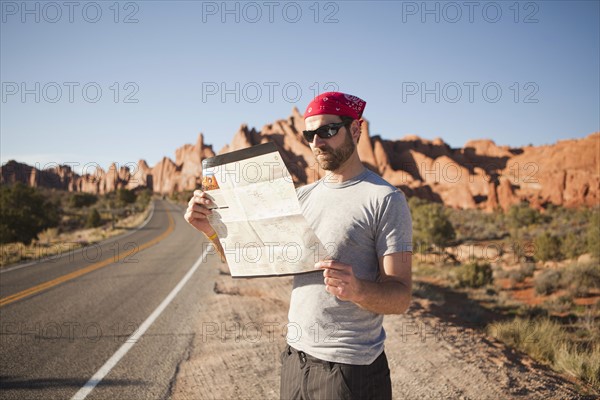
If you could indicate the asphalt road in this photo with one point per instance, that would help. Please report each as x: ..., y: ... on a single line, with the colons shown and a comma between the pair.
x: 62, y: 319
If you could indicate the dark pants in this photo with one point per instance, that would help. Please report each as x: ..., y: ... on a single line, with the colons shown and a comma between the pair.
x: 309, y: 378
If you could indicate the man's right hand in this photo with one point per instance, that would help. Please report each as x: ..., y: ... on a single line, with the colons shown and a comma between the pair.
x: 197, y: 212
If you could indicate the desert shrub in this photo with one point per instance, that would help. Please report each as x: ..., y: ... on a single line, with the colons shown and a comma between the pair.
x: 559, y: 218
x: 516, y: 276
x: 143, y: 199
x: 525, y: 270
x: 559, y: 305
x: 589, y: 325
x: 581, y: 278
x: 474, y: 275
x: 524, y: 250
x: 500, y: 273
x: 568, y: 224
x: 93, y: 219
x: 24, y: 212
x: 573, y: 245
x: 547, y: 247
x: 521, y: 221
x: 181, y: 197
x: 593, y: 235
x: 80, y: 200
x: 125, y: 196
x: 431, y: 225
x: 522, y: 215
x: 548, y: 282
x: 48, y: 235
x: 477, y: 224
x: 531, y: 312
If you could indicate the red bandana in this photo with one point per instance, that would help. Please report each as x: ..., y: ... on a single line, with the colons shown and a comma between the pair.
x: 336, y: 103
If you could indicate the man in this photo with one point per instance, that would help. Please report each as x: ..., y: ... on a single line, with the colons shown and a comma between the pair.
x: 335, y: 338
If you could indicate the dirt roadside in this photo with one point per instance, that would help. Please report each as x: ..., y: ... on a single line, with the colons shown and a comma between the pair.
x: 235, y: 354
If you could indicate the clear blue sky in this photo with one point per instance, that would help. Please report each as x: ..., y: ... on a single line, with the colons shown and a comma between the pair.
x: 175, y: 58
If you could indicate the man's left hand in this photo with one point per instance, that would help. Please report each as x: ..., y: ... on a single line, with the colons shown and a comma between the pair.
x: 340, y: 280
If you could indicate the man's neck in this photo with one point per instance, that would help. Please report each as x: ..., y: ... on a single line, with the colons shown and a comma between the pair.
x: 350, y: 169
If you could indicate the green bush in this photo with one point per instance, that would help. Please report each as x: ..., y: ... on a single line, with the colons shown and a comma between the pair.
x: 476, y: 224
x: 93, y: 219
x: 24, y: 212
x: 560, y: 305
x: 527, y: 269
x: 143, y: 199
x: 593, y: 235
x: 80, y: 200
x: 474, y: 275
x: 522, y: 215
x: 547, y: 247
x: 548, y: 282
x: 516, y: 276
x: 573, y: 245
x: 524, y: 271
x: 125, y: 196
x: 431, y: 225
x: 581, y: 278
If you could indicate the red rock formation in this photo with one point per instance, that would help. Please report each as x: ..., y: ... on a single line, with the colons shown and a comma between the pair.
x: 366, y: 150
x: 188, y: 159
x: 164, y: 176
x: 492, y: 199
x: 13, y: 172
x: 480, y: 175
x: 486, y: 148
x: 141, y: 176
x: 110, y: 183
x: 565, y: 173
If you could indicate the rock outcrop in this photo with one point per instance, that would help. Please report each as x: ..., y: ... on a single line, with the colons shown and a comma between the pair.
x: 479, y: 175
x: 167, y: 176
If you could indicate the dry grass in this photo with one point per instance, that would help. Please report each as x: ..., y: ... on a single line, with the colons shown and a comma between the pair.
x: 581, y: 364
x: 548, y: 342
x: 581, y: 278
x: 548, y: 282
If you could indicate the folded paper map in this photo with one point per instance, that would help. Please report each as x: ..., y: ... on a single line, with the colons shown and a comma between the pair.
x: 257, y: 215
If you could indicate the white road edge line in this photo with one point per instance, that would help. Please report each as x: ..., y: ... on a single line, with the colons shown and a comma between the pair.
x: 112, y: 361
x: 66, y: 253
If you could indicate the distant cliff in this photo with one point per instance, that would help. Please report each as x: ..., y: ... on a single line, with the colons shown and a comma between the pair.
x: 165, y: 177
x: 479, y: 175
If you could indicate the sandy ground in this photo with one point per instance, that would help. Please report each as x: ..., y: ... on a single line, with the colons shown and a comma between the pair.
x: 235, y: 353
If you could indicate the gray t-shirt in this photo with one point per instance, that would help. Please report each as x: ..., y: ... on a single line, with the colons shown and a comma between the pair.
x: 358, y: 221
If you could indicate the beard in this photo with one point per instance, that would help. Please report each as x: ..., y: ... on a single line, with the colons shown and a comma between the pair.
x: 331, y: 159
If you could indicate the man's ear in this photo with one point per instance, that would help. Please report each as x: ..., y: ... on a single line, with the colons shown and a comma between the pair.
x: 355, y: 130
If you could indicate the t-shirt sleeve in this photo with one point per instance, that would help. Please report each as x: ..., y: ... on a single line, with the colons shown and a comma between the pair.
x: 393, y: 225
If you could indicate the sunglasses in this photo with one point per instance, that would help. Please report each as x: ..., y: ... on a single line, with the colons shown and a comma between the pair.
x: 324, y: 132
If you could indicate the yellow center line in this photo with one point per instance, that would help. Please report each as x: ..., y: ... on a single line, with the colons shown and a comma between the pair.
x: 76, y: 274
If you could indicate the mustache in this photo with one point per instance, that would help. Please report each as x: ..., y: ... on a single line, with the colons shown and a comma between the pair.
x: 320, y: 151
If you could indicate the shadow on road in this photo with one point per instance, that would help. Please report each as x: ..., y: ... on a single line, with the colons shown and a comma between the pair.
x: 145, y: 228
x: 13, y: 382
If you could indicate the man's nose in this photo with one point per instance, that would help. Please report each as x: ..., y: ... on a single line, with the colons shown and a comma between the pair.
x: 318, y: 142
